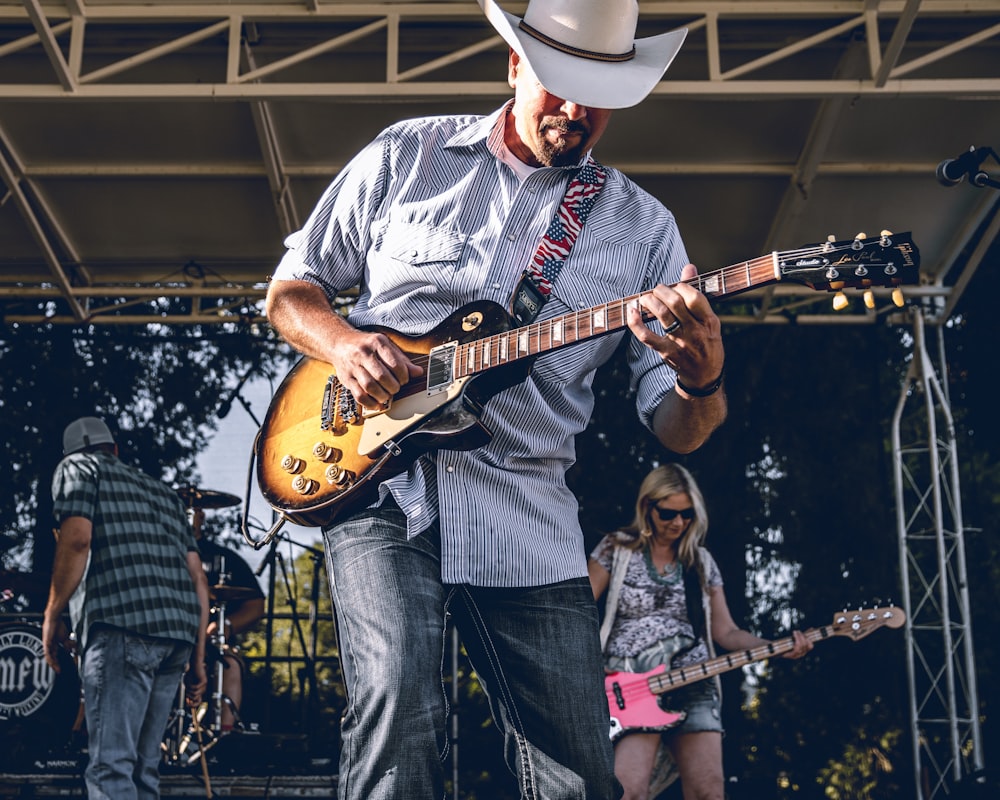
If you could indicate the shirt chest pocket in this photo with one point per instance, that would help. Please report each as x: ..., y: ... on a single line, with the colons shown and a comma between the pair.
x: 415, y: 273
x: 420, y: 245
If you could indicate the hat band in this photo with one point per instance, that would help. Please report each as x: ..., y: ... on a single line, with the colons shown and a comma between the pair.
x: 575, y: 51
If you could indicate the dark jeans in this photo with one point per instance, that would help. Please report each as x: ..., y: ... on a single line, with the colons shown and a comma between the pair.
x: 535, y: 651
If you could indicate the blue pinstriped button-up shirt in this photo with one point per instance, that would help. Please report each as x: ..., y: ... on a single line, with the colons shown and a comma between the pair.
x: 427, y: 218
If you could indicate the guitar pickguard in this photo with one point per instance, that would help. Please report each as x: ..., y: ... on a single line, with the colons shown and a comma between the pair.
x: 383, y: 429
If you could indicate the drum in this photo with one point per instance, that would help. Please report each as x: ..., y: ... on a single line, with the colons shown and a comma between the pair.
x: 38, y: 706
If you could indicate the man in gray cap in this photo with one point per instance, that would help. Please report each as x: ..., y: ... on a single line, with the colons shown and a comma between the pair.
x: 442, y: 214
x: 127, y: 565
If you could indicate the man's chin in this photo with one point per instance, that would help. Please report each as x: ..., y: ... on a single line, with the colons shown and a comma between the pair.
x: 562, y: 157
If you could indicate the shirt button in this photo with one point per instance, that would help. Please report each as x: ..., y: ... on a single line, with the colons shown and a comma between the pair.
x: 449, y: 468
x: 511, y: 237
x: 414, y: 253
x: 496, y: 285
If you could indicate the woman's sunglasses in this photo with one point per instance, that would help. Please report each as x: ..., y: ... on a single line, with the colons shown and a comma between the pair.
x: 670, y: 514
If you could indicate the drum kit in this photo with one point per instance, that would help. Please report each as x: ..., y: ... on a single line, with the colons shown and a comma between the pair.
x: 189, y: 736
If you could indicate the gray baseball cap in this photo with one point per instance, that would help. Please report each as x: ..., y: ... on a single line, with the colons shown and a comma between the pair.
x: 85, y: 432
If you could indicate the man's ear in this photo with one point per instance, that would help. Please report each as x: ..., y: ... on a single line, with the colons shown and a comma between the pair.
x: 513, y: 61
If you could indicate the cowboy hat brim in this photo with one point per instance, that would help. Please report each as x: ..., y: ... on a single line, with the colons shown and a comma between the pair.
x: 589, y: 82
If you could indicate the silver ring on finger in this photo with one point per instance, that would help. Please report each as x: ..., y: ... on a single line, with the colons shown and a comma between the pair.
x: 672, y: 327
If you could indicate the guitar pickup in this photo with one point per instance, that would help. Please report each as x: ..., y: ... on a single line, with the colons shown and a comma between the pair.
x: 441, y: 368
x: 619, y: 697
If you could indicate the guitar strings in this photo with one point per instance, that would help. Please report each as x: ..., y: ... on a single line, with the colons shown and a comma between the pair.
x: 614, y: 311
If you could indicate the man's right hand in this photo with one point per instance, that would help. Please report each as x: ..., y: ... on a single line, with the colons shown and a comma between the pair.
x: 368, y: 364
x: 372, y: 367
x: 195, y: 683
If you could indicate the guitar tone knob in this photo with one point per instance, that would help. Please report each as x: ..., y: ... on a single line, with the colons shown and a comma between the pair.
x: 292, y: 465
x: 303, y: 485
x: 325, y: 452
x: 338, y: 476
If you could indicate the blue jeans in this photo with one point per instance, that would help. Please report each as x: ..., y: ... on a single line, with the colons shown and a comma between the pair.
x: 535, y: 650
x: 130, y: 683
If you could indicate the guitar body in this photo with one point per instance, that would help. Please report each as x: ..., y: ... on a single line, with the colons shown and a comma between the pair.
x: 314, y: 461
x: 633, y: 706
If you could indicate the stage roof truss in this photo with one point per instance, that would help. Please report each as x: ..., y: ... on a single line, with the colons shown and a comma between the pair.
x: 267, y: 57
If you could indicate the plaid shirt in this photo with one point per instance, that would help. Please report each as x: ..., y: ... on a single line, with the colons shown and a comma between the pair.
x: 137, y: 578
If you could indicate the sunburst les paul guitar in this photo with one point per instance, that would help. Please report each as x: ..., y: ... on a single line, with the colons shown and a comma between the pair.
x: 633, y: 697
x: 319, y: 452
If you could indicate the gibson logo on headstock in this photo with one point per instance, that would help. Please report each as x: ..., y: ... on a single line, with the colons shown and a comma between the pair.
x: 905, y: 249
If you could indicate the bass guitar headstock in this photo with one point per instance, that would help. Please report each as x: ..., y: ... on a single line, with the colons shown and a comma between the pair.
x: 859, y: 623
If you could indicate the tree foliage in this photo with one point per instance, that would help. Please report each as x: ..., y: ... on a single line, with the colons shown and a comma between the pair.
x: 158, y: 388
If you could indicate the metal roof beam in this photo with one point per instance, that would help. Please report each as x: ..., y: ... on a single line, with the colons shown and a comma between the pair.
x: 38, y: 232
x: 50, y: 45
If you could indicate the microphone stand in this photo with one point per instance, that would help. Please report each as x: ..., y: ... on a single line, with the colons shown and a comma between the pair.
x: 307, y: 675
x: 971, y: 163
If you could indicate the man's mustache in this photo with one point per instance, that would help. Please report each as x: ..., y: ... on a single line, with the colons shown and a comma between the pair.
x: 564, y: 125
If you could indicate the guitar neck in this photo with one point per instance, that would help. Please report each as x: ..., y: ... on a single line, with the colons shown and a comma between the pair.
x: 577, y: 326
x: 675, y: 678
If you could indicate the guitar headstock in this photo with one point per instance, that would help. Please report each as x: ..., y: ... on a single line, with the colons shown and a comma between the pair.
x: 890, y: 260
x: 859, y: 623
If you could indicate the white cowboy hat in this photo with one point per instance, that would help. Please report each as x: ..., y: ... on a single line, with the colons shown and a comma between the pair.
x: 585, y: 51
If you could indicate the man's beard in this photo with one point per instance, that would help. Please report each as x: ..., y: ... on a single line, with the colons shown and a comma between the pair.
x: 558, y: 154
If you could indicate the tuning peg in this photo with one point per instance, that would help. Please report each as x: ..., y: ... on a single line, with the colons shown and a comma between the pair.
x: 840, y: 301
x: 858, y: 239
x: 828, y: 244
x: 869, y: 296
x: 897, y: 297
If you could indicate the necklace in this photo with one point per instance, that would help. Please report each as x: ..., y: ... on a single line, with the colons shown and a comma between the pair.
x: 670, y: 574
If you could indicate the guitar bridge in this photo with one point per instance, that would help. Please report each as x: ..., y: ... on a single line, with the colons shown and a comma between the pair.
x: 339, y: 406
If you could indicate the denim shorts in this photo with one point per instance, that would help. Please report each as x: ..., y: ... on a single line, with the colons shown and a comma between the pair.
x: 701, y: 702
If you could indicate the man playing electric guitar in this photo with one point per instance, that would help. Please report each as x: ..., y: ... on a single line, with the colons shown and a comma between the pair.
x: 433, y: 214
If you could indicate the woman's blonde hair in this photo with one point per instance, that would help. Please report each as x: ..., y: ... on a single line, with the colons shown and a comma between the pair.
x: 658, y: 485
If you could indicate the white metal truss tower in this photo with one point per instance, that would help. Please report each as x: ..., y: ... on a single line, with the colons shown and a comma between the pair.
x: 946, y: 740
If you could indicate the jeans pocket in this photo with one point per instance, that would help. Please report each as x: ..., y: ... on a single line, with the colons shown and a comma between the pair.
x: 142, y: 654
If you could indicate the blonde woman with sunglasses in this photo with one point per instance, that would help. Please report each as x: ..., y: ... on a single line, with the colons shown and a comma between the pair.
x: 665, y: 598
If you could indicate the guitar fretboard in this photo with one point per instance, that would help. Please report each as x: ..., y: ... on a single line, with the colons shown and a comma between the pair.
x: 665, y: 681
x: 576, y: 326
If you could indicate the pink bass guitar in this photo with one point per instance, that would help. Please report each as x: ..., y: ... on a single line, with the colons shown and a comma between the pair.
x: 633, y: 696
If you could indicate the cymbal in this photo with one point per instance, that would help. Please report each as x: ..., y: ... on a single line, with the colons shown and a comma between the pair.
x: 206, y: 498
x: 224, y: 593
